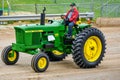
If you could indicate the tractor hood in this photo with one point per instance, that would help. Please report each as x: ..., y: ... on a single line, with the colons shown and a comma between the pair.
x: 56, y: 25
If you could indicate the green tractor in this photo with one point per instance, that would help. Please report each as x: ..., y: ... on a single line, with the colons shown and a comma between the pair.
x: 48, y: 42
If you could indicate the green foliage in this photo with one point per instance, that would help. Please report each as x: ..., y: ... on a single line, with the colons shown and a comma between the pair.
x: 85, y: 5
x: 30, y: 1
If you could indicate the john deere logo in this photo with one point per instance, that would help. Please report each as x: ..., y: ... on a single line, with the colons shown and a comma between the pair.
x: 31, y: 31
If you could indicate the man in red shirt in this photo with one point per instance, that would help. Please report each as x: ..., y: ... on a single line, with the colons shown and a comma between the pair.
x: 71, y: 18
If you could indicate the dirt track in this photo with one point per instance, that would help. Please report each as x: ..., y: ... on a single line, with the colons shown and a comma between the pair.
x: 109, y: 69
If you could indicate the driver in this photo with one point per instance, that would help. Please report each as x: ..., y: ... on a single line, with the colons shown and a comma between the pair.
x: 71, y: 18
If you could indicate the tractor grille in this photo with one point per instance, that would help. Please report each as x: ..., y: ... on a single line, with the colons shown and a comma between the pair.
x: 36, y: 38
x: 19, y: 36
x: 27, y: 38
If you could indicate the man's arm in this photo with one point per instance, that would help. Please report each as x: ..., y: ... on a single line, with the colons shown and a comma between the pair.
x: 67, y: 14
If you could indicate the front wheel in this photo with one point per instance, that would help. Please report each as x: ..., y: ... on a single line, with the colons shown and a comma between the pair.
x: 40, y: 62
x: 9, y: 56
x: 88, y: 48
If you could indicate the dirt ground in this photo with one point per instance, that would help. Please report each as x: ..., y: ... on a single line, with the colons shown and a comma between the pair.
x: 109, y: 69
x: 108, y: 22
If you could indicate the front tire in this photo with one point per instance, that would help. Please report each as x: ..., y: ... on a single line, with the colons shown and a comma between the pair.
x: 40, y: 62
x: 9, y: 56
x: 88, y: 48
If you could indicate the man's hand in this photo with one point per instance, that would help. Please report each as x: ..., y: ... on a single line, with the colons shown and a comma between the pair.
x: 66, y: 19
x: 62, y: 16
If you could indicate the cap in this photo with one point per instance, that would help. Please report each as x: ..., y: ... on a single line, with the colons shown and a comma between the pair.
x: 72, y: 4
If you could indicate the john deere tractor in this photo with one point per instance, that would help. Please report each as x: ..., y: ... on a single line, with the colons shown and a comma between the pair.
x: 48, y: 42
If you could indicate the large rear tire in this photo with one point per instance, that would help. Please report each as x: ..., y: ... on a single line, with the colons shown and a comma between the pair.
x: 88, y: 48
x: 9, y: 56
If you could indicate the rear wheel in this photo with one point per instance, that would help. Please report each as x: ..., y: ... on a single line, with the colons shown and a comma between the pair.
x: 40, y: 62
x: 88, y: 48
x: 9, y: 56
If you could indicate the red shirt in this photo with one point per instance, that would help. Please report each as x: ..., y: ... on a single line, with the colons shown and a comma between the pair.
x: 74, y: 16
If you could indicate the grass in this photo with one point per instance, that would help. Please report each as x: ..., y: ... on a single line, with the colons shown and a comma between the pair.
x: 85, y: 5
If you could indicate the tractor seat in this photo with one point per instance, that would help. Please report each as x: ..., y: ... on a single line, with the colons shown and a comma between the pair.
x: 75, y: 25
x: 78, y: 22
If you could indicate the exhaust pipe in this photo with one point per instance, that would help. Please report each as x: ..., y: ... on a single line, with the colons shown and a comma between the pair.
x: 43, y: 17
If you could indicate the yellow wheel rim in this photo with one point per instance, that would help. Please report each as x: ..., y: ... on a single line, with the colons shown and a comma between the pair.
x: 42, y: 62
x: 57, y: 52
x: 12, y: 55
x: 92, y: 48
